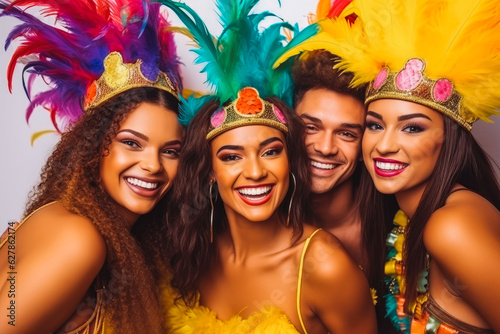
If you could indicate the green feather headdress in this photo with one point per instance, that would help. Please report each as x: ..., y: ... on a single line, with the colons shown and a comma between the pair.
x: 241, y: 57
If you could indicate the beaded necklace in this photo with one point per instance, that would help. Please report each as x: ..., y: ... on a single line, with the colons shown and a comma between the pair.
x: 395, y: 280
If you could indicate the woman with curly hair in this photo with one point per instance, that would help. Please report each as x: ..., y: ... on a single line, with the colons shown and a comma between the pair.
x: 94, y: 225
x: 243, y: 258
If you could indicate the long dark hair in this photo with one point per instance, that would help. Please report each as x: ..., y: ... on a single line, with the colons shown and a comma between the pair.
x: 188, y: 215
x: 462, y: 161
x: 72, y: 177
x: 377, y: 212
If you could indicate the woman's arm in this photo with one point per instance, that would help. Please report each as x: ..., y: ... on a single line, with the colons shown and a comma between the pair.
x: 335, y: 289
x: 57, y: 257
x: 463, y: 240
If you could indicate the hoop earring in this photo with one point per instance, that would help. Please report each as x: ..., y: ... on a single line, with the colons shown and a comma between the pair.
x: 211, y: 213
x: 291, y: 199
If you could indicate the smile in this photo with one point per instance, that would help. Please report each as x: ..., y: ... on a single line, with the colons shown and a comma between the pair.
x: 254, y: 191
x: 139, y: 183
x: 322, y: 165
x: 255, y: 195
x: 389, y: 168
x: 386, y: 166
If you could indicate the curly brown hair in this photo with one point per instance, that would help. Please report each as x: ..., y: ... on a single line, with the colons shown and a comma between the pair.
x: 188, y: 214
x: 314, y: 69
x: 71, y: 176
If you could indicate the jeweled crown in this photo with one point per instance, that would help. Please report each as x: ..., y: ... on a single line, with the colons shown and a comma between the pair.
x: 119, y: 77
x: 247, y: 109
x: 411, y: 84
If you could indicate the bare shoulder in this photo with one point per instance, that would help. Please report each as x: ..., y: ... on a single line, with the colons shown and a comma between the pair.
x: 335, y: 289
x: 466, y: 220
x: 63, y: 233
x: 59, y: 255
x: 330, y: 260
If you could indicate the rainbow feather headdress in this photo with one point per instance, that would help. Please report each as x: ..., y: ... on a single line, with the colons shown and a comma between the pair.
x: 238, y: 66
x: 443, y: 54
x: 95, y: 50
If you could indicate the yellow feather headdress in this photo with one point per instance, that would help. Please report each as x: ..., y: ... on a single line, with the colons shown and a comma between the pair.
x: 440, y: 53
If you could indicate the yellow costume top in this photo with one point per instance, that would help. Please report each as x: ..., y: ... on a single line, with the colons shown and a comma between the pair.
x: 181, y: 319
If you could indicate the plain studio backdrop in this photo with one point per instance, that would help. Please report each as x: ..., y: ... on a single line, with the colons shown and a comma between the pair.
x: 21, y: 163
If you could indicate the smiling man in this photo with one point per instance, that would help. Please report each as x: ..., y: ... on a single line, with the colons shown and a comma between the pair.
x: 334, y: 115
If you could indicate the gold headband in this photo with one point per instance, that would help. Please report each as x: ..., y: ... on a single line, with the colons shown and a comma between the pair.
x: 247, y: 109
x: 119, y: 77
x: 411, y: 84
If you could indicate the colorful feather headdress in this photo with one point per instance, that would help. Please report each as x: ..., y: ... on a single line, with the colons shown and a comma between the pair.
x: 239, y: 66
x: 95, y: 50
x: 442, y: 54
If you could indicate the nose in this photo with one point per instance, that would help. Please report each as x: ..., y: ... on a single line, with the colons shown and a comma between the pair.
x: 325, y: 144
x: 254, y: 168
x: 387, y: 143
x: 151, y: 162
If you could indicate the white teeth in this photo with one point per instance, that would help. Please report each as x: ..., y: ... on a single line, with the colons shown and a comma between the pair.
x: 389, y: 166
x: 142, y: 184
x: 322, y: 166
x: 254, y: 191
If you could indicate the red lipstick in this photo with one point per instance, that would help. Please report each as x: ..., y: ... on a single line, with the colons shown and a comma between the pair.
x: 257, y: 200
x: 383, y: 167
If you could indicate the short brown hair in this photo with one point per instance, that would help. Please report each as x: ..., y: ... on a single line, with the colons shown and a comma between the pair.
x: 314, y: 69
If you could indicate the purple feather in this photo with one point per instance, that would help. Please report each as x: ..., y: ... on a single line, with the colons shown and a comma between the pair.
x: 69, y: 56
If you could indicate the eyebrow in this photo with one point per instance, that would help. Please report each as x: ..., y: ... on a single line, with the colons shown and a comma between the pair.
x: 354, y: 126
x: 400, y: 118
x: 311, y: 118
x: 146, y: 138
x: 409, y: 116
x: 135, y: 133
x: 374, y: 114
x: 241, y: 148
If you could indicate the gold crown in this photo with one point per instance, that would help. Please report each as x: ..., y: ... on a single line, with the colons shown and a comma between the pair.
x: 411, y: 84
x: 119, y: 77
x: 247, y: 109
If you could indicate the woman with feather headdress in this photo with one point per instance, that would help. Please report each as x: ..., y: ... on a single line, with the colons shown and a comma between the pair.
x: 433, y: 69
x: 82, y: 259
x: 242, y: 258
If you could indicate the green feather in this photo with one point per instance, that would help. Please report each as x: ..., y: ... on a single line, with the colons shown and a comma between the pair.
x: 242, y: 55
x: 207, y: 51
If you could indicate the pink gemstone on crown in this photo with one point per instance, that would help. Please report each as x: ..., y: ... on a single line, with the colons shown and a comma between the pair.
x: 279, y: 115
x: 218, y: 117
x: 442, y: 90
x: 411, y: 76
x: 380, y: 79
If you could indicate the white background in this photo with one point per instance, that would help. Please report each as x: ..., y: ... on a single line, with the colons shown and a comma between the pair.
x: 21, y: 163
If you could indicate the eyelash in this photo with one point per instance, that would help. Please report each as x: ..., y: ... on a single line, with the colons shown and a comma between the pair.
x: 310, y: 127
x: 130, y: 142
x: 229, y: 157
x: 418, y: 128
x: 275, y: 151
x: 171, y: 151
x: 371, y: 124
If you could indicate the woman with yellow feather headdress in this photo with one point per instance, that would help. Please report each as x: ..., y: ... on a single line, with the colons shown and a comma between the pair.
x: 433, y: 69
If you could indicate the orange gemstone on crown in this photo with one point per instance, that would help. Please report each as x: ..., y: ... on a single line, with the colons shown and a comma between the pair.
x: 90, y: 94
x: 248, y: 102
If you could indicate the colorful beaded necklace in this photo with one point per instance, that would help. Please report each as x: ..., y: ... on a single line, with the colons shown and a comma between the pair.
x: 395, y: 280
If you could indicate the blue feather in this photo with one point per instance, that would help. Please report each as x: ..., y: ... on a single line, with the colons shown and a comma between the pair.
x: 190, y: 106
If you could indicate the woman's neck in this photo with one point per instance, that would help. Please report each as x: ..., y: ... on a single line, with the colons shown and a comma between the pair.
x: 408, y: 200
x: 246, y: 239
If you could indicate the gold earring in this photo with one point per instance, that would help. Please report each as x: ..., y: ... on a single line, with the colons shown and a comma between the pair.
x: 291, y: 199
x: 211, y: 213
